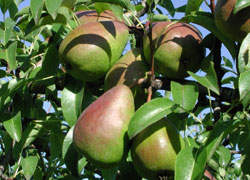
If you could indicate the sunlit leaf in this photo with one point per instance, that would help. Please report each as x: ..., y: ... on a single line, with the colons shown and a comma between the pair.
x: 11, y: 55
x: 29, y: 165
x: 36, y: 7
x: 193, y: 6
x: 69, y: 154
x: 224, y: 156
x: 210, y: 80
x: 14, y: 127
x: 185, y: 95
x: 52, y: 6
x: 148, y: 114
x: 244, y: 55
x: 244, y: 88
x: 190, y: 164
x: 240, y: 4
x: 72, y: 96
x: 123, y: 3
x: 158, y: 17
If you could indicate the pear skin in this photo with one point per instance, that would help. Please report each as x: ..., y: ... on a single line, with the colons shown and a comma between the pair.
x: 155, y: 149
x: 100, y: 133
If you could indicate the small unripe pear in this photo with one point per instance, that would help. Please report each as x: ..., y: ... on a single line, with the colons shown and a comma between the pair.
x: 100, y: 133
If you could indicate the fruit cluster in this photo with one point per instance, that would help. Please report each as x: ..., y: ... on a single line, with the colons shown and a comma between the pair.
x: 92, y: 51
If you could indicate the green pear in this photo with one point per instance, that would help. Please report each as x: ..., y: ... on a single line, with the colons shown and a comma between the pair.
x: 86, y: 16
x: 91, y: 49
x: 177, y: 51
x: 155, y: 149
x: 234, y: 26
x: 128, y: 70
x: 100, y: 133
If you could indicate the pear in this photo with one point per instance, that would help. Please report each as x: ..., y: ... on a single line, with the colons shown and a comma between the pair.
x: 91, y: 49
x: 128, y: 70
x: 100, y: 133
x: 177, y: 51
x: 234, y: 26
x: 155, y: 149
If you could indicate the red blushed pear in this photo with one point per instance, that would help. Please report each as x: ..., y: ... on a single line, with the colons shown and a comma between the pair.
x: 128, y: 70
x: 87, y: 16
x: 91, y: 49
x: 177, y: 51
x: 234, y: 26
x: 100, y: 133
x: 155, y: 149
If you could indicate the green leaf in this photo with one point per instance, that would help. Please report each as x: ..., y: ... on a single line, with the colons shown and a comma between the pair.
x: 2, y: 73
x: 49, y: 66
x: 158, y: 17
x: 56, y: 142
x: 244, y: 55
x: 52, y: 6
x: 216, y: 136
x: 244, y: 88
x: 123, y: 3
x: 240, y: 4
x: 109, y: 173
x: 31, y: 132
x: 168, y: 5
x: 206, y: 20
x: 193, y: 6
x: 69, y: 153
x: 148, y: 114
x: 224, y: 156
x: 14, y: 127
x: 8, y: 89
x: 11, y: 55
x: 4, y: 5
x: 185, y: 95
x: 36, y: 7
x: 29, y: 165
x: 72, y: 97
x: 13, y: 9
x: 210, y: 80
x: 190, y: 164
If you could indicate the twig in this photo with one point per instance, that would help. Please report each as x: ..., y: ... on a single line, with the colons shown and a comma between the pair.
x: 209, y: 175
x: 212, y: 6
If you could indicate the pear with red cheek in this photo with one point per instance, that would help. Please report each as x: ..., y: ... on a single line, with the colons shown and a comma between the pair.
x: 177, y: 48
x: 91, y: 49
x: 234, y: 26
x: 100, y: 133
